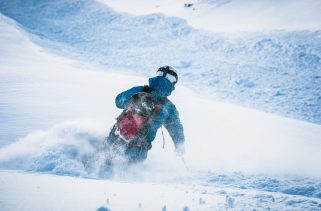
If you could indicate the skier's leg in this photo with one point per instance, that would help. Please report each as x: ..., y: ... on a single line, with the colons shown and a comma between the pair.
x: 137, y: 152
x: 108, y: 154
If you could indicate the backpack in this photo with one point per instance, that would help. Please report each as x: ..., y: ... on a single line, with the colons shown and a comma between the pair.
x: 138, y: 115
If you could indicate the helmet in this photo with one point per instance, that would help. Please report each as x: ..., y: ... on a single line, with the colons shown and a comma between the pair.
x: 169, y: 73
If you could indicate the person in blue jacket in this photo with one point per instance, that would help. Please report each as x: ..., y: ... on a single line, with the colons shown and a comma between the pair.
x: 160, y: 87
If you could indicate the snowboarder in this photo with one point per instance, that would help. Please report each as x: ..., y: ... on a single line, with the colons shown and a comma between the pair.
x: 145, y: 110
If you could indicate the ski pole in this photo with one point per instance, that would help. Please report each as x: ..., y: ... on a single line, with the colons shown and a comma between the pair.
x: 183, y: 160
x: 163, y: 137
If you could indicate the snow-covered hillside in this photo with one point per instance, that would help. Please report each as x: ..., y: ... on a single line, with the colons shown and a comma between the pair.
x: 231, y: 15
x: 276, y: 71
x: 55, y: 113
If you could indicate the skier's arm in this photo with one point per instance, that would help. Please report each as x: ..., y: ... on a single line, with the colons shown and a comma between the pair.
x: 124, y: 97
x: 175, y: 128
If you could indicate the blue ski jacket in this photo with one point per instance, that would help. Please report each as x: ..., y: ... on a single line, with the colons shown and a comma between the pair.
x: 168, y: 114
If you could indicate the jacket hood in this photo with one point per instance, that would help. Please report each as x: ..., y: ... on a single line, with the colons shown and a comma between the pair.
x: 162, y: 86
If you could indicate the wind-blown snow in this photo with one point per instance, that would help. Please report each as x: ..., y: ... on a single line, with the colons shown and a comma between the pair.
x: 274, y: 71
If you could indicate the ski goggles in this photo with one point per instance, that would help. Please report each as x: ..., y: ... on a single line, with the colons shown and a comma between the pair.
x: 168, y: 74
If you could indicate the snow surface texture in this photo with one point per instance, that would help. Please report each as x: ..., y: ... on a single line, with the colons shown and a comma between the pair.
x: 230, y: 138
x: 70, y: 193
x: 274, y: 71
x: 231, y: 15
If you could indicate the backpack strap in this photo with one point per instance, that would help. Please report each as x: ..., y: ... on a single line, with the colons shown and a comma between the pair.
x: 147, y: 89
x: 159, y: 104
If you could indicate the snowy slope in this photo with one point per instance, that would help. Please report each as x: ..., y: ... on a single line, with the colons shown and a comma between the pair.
x: 59, y: 111
x: 231, y: 15
x: 277, y: 71
x: 21, y: 191
x: 51, y: 90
